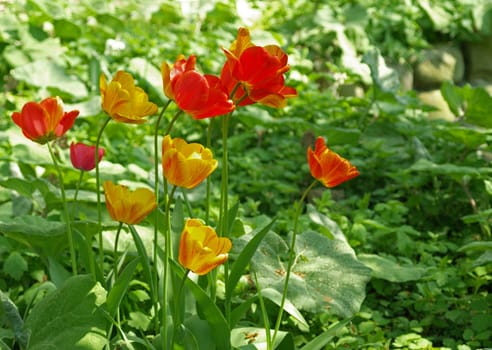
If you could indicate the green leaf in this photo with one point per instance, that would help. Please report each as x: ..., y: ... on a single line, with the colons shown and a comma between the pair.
x: 424, y: 165
x: 453, y: 96
x: 244, y: 257
x: 254, y: 338
x: 11, y: 317
x: 326, y: 275
x: 385, y: 78
x: 151, y: 76
x: 66, y: 29
x: 144, y: 258
x: 324, y: 338
x: 15, y: 265
x: 440, y: 18
x: 218, y: 325
x: 36, y: 232
x: 389, y: 270
x: 69, y: 318
x: 481, y: 245
x: 47, y: 74
x: 276, y: 297
x: 119, y: 289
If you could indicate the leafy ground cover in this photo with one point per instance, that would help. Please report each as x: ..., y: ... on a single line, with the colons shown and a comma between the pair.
x: 416, y: 219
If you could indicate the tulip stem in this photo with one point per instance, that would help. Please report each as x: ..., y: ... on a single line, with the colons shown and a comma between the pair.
x: 115, y: 252
x: 171, y: 123
x: 291, y: 259
x: 98, y: 193
x: 155, y: 297
x: 179, y: 304
x: 92, y: 266
x: 209, y: 181
x: 264, y: 314
x: 65, y: 211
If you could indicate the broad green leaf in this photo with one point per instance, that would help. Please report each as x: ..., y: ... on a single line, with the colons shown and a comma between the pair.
x: 66, y: 30
x: 9, y: 315
x: 478, y: 106
x: 483, y: 259
x: 453, y: 96
x: 385, y: 78
x: 424, y: 165
x: 390, y: 270
x: 139, y: 320
x: 57, y: 272
x: 15, y: 265
x: 254, y: 338
x: 151, y: 76
x: 244, y: 257
x: 200, y: 330
x: 218, y: 325
x: 238, y: 313
x: 481, y: 245
x: 471, y: 138
x: 69, y: 318
x: 440, y: 18
x: 47, y: 74
x: 120, y: 287
x: 34, y: 231
x: 276, y: 297
x: 339, y: 136
x: 324, y: 338
x: 326, y: 274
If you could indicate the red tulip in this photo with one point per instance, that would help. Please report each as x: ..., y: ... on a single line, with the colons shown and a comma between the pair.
x: 45, y: 121
x: 83, y: 156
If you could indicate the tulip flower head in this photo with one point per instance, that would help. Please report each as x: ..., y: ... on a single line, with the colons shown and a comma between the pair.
x: 129, y: 207
x: 186, y: 164
x: 83, y: 157
x: 328, y: 167
x: 201, y: 96
x: 45, y: 121
x: 123, y: 101
x: 258, y: 71
x: 200, y: 250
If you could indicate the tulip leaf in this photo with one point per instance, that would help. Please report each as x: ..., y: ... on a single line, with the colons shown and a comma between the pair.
x: 219, y: 329
x: 276, y: 297
x: 244, y: 257
x: 70, y: 317
x: 324, y: 338
x: 37, y: 232
x: 117, y: 292
x: 326, y: 274
x: 144, y: 258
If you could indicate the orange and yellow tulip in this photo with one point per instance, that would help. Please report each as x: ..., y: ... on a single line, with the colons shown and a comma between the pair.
x: 258, y: 71
x: 186, y: 164
x: 45, y: 121
x: 129, y: 207
x: 328, y: 167
x: 200, y: 250
x: 123, y: 101
x: 201, y: 96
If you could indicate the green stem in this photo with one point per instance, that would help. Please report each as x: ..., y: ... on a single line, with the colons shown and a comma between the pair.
x: 155, y: 297
x: 291, y: 259
x: 179, y: 304
x: 92, y: 266
x: 65, y: 211
x: 115, y: 252
x: 264, y: 314
x: 98, y: 193
x: 209, y: 181
x: 171, y: 123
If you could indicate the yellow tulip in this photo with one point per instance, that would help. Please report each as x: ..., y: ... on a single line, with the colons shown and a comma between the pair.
x: 130, y: 207
x: 123, y: 101
x: 200, y: 250
x: 186, y: 164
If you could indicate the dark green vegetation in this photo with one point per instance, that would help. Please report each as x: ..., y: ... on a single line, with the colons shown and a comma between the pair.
x: 418, y: 215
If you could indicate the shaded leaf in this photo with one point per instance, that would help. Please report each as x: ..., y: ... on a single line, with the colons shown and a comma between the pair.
x: 389, y: 270
x: 325, y: 276
x: 69, y: 318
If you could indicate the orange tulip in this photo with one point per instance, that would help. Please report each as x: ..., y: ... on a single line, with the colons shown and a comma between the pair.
x: 186, y: 164
x: 130, y: 207
x: 123, y: 101
x: 258, y: 70
x: 328, y: 167
x: 201, y: 96
x: 200, y: 250
x: 44, y: 121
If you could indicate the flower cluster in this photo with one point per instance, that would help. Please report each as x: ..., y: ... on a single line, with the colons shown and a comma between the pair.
x: 251, y: 74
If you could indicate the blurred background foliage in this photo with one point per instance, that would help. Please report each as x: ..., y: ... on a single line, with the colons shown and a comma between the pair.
x: 419, y: 215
